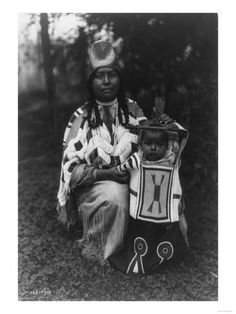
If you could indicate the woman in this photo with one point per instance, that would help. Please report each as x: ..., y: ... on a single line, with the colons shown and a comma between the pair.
x: 96, y: 140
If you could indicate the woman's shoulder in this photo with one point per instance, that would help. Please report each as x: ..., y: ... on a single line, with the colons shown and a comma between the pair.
x: 79, y: 112
x: 135, y: 110
x: 76, y: 121
x: 131, y: 102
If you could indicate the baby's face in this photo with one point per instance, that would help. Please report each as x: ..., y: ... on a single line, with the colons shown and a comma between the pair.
x: 154, y: 145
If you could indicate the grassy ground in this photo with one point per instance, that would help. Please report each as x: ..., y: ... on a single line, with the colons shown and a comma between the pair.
x: 51, y: 267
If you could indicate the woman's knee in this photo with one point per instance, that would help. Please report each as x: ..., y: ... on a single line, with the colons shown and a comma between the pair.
x: 117, y: 193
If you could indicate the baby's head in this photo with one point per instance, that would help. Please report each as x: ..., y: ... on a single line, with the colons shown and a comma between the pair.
x: 153, y: 143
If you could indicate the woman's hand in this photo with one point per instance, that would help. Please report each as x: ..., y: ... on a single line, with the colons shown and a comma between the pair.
x: 165, y: 119
x: 112, y: 174
x: 119, y: 176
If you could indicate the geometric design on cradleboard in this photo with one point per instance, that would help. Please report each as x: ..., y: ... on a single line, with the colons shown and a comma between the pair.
x: 165, y: 251
x: 140, y: 250
x: 154, y: 201
x: 156, y: 194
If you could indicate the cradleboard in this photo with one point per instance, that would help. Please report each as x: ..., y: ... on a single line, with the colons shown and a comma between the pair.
x: 154, y: 236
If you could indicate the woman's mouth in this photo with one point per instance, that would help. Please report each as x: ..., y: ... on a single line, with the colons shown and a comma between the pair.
x: 107, y: 90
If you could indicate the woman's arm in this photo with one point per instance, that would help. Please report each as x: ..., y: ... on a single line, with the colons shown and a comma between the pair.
x: 111, y: 174
x: 84, y: 176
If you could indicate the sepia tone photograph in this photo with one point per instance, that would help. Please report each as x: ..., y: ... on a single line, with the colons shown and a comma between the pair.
x: 118, y: 156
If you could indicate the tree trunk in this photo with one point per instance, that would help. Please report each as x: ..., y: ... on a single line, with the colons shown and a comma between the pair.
x: 48, y: 69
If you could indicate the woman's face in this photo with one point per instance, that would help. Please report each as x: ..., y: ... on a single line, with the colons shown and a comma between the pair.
x: 106, y: 84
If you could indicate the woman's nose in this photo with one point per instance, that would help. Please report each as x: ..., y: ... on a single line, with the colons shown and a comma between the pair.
x: 106, y: 78
x: 153, y: 147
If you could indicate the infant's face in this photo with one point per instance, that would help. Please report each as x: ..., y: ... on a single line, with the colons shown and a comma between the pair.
x: 154, y: 145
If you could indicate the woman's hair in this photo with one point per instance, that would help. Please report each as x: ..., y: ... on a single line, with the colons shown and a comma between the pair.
x: 122, y: 104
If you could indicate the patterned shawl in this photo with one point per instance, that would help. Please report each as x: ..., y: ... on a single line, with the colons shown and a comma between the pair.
x: 93, y: 146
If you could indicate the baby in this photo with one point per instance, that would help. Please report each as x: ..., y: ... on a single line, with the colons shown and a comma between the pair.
x: 153, y: 144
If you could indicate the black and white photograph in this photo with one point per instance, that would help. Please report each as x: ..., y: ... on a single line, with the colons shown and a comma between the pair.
x: 118, y: 156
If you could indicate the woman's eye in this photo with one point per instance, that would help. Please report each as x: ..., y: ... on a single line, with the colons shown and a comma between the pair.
x: 98, y: 76
x: 112, y: 74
